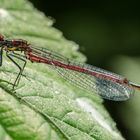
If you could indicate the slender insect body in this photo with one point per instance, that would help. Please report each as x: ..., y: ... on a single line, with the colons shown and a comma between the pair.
x: 107, y: 84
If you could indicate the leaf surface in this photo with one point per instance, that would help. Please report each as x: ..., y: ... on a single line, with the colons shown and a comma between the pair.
x: 44, y: 106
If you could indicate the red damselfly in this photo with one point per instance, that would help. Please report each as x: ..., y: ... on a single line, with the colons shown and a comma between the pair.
x: 107, y: 84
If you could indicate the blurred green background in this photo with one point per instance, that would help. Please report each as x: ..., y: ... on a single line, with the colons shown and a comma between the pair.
x: 108, y: 33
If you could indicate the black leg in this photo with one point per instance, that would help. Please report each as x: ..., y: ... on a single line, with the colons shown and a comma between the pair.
x: 18, y: 56
x: 10, y: 55
x: 1, y: 52
x: 24, y: 57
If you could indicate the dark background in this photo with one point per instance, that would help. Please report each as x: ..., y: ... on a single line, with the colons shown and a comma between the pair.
x: 103, y: 29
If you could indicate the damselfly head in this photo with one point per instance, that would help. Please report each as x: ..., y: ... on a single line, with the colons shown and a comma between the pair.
x: 1, y: 37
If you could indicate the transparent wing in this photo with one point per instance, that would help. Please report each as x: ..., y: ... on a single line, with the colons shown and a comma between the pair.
x: 104, y: 87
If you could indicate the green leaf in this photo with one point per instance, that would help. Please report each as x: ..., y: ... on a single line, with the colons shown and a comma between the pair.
x: 44, y: 106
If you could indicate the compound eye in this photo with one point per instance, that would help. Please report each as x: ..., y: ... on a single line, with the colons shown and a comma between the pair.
x: 1, y: 37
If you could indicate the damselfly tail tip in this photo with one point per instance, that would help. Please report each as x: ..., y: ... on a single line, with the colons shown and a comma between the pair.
x: 135, y: 86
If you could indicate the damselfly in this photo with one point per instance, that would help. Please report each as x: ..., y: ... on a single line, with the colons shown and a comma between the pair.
x: 107, y: 84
